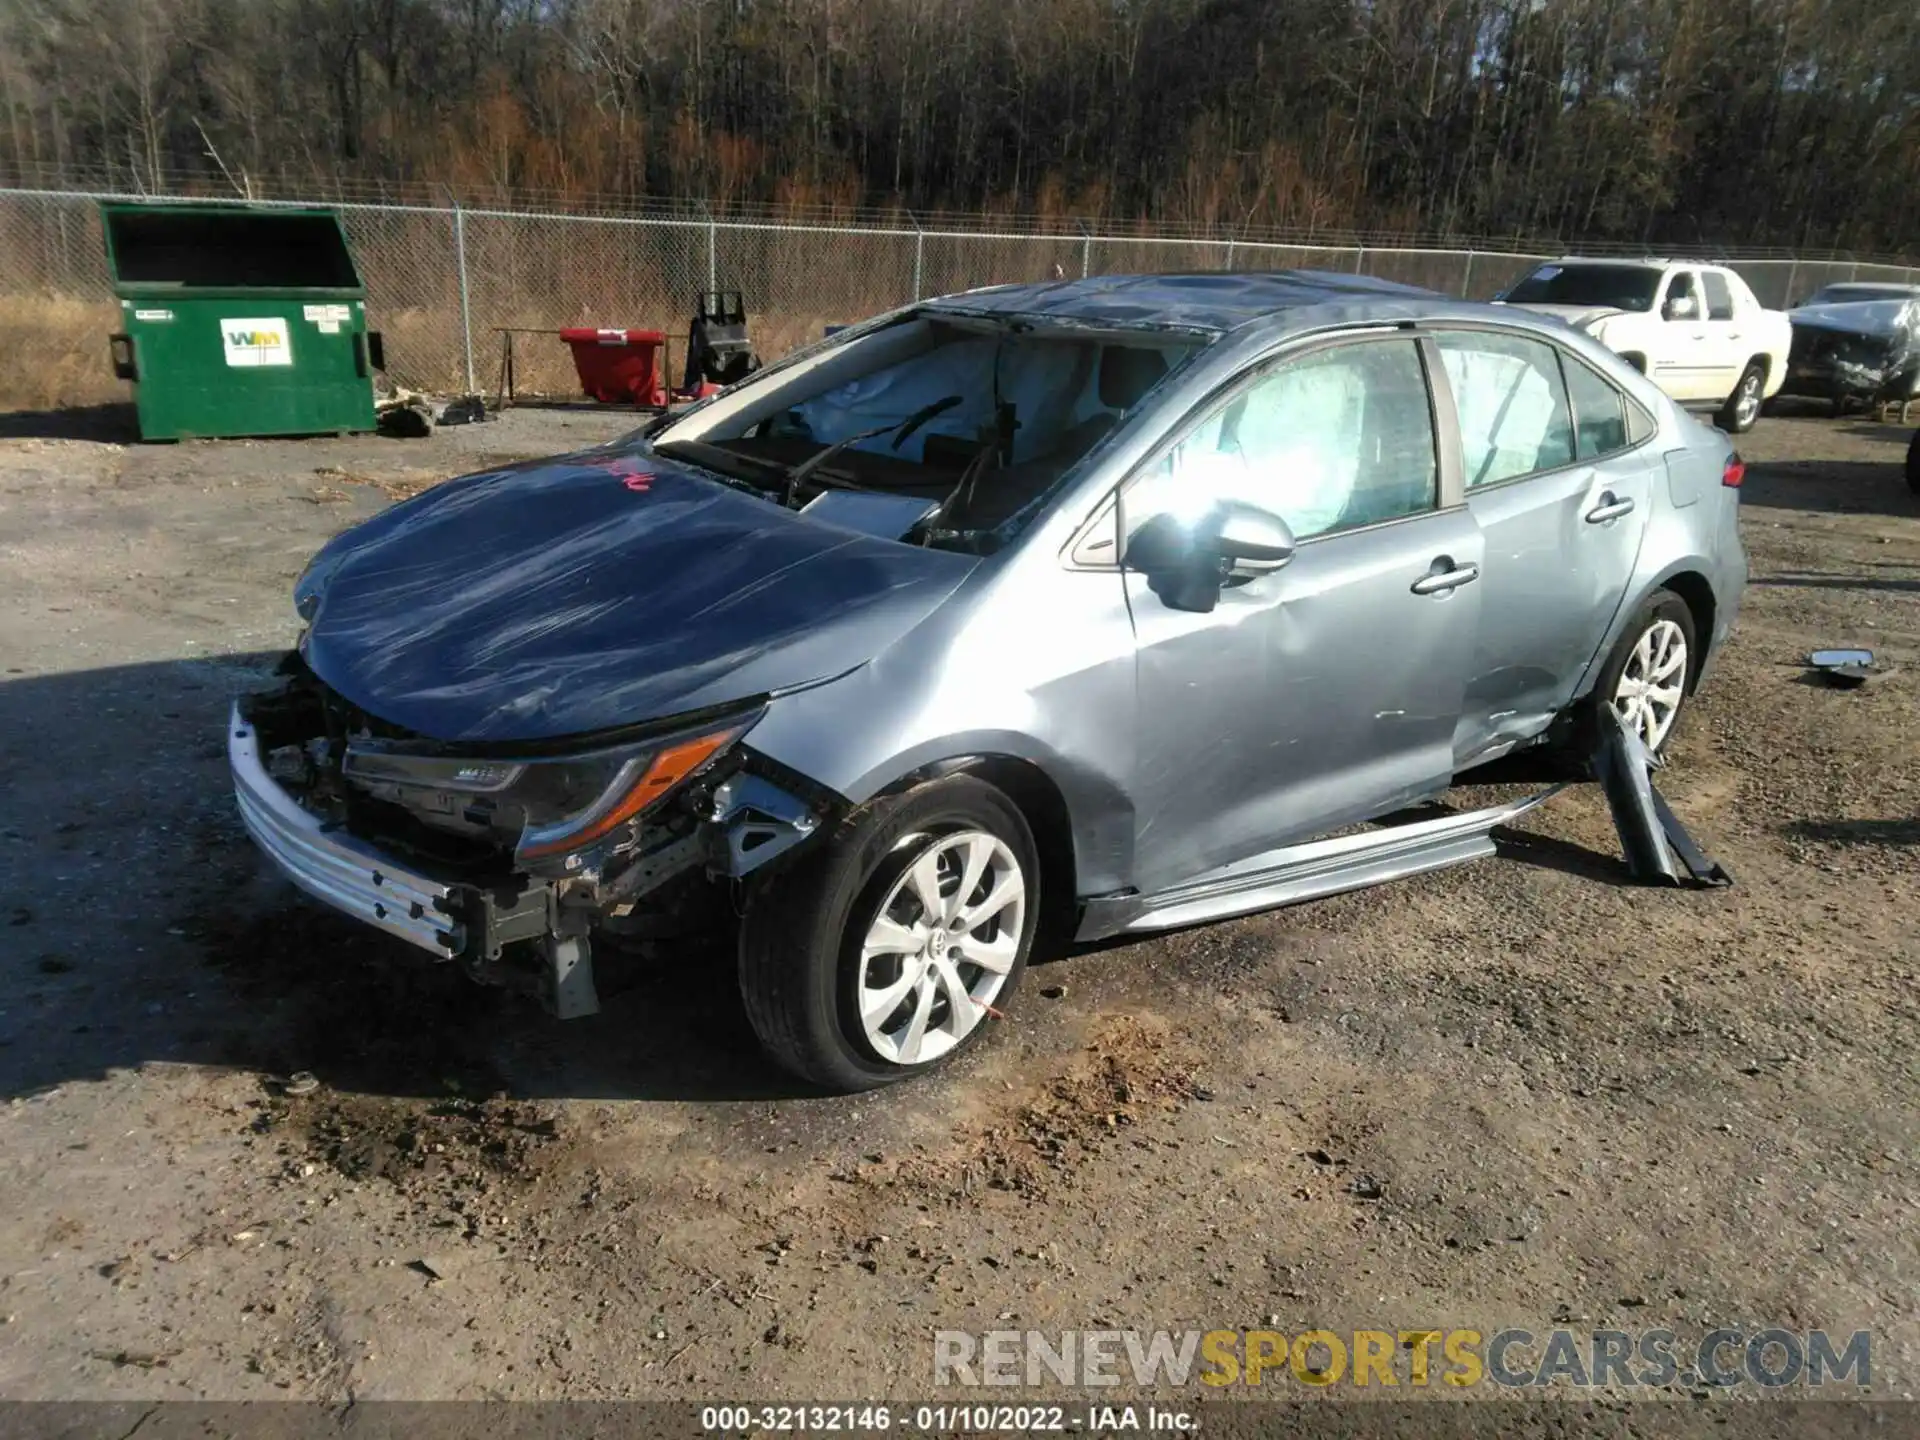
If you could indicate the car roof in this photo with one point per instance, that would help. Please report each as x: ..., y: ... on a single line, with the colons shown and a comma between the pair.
x: 1206, y: 300
x: 1651, y: 262
x: 1870, y: 285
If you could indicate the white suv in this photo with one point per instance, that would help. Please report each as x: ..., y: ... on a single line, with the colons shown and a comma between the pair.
x: 1695, y: 330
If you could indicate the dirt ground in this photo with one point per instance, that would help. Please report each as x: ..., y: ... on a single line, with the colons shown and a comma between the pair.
x: 1523, y: 1092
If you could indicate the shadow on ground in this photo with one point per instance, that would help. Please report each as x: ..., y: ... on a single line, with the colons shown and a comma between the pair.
x: 111, y: 424
x: 141, y: 925
x: 1821, y: 581
x: 1841, y: 487
x: 1856, y: 832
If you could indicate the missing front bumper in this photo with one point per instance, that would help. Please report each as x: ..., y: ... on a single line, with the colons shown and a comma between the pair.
x: 333, y: 866
x: 522, y: 931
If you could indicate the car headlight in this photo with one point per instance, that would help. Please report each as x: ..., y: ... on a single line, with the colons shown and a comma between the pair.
x: 556, y: 806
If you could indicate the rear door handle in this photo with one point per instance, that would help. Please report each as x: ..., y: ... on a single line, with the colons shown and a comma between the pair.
x: 1609, y: 508
x: 1441, y: 581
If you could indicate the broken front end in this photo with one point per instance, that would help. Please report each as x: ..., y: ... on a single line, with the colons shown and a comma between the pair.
x: 509, y: 859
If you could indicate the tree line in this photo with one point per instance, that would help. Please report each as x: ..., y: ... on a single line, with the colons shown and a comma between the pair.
x: 1681, y: 122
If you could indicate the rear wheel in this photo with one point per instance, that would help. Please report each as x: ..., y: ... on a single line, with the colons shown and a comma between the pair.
x: 1913, y: 463
x: 1646, y: 677
x: 885, y: 952
x: 1736, y: 417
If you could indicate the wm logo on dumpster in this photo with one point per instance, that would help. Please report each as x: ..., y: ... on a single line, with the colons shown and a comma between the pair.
x: 251, y: 343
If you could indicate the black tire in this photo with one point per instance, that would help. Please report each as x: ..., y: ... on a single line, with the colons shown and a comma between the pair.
x: 1913, y: 463
x: 1735, y: 417
x: 1661, y: 605
x: 801, y: 936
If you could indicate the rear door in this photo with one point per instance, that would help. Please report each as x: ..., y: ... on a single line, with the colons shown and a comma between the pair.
x: 1560, y: 483
x: 1725, y: 349
x: 1326, y: 691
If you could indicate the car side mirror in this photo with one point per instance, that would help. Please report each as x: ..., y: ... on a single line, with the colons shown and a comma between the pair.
x: 1682, y: 307
x: 1186, y: 562
x: 1253, y: 541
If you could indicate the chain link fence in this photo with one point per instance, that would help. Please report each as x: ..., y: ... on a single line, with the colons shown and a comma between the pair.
x: 443, y: 282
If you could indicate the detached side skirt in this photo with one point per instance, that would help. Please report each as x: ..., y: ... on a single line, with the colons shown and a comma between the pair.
x: 1656, y: 844
x: 1657, y: 847
x: 1309, y: 871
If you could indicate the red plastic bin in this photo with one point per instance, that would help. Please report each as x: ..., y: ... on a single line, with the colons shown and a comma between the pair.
x: 619, y: 367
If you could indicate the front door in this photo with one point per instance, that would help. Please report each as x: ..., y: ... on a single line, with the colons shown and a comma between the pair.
x: 1561, y: 496
x: 1678, y: 360
x: 1327, y: 691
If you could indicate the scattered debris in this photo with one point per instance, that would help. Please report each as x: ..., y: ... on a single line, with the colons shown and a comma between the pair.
x: 467, y: 410
x: 1844, y: 669
x: 1053, y: 992
x: 435, y: 1267
x: 403, y: 415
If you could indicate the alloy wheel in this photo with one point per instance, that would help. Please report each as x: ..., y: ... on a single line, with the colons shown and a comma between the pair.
x: 1653, y: 682
x: 940, y: 946
x: 1746, y: 405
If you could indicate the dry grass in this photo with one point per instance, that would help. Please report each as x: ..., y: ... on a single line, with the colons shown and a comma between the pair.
x: 53, y: 352
x: 396, y: 484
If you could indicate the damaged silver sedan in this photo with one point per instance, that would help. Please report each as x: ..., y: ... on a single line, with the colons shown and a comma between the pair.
x: 1034, y: 613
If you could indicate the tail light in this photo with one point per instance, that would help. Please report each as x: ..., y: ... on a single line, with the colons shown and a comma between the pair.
x: 1735, y: 472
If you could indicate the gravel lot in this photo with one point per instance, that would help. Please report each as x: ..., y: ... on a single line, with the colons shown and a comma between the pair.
x: 1524, y: 1092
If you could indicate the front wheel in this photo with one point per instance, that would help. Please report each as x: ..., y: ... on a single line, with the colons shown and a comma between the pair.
x: 885, y: 951
x: 1736, y: 417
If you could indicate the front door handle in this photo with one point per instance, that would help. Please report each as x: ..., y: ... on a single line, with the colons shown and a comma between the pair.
x: 1609, y: 508
x: 1438, y: 582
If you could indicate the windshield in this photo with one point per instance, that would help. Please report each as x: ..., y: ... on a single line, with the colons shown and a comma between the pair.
x: 971, y: 418
x: 1856, y: 294
x: 1619, y: 287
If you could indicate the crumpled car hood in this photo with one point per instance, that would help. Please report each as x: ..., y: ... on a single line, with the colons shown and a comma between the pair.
x: 1580, y: 317
x: 1895, y: 320
x: 594, y: 591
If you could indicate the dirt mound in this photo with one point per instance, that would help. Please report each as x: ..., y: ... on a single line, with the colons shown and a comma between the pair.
x: 1130, y: 1068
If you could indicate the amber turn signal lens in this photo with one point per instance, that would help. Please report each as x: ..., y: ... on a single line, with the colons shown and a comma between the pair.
x: 667, y: 769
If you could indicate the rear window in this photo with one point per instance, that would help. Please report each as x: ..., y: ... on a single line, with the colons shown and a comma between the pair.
x: 230, y: 250
x: 1512, y: 405
x: 1620, y: 287
x: 1599, y: 412
x: 1719, y: 297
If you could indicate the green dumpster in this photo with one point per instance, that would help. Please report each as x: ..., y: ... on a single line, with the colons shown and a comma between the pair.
x: 239, y: 320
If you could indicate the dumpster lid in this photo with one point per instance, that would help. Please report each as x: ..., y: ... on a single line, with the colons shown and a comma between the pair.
x: 588, y: 335
x: 227, y: 247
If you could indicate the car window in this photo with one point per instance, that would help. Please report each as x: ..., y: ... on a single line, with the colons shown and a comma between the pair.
x: 1719, y: 297
x: 1599, y: 412
x: 1619, y: 286
x: 1336, y: 439
x: 1513, y: 408
x: 1681, y: 286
